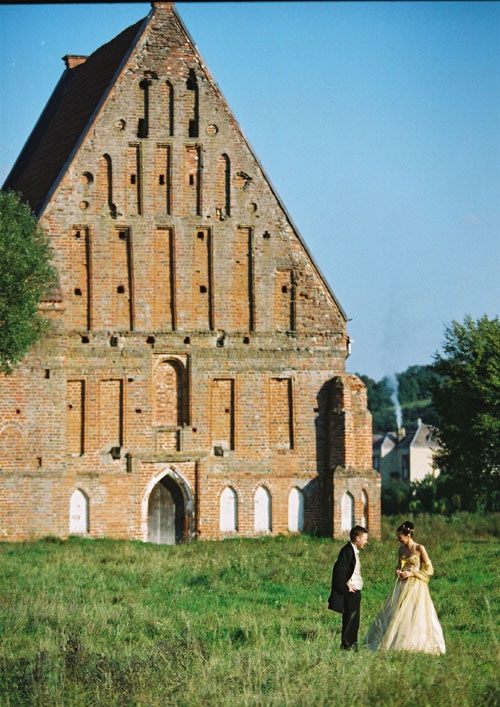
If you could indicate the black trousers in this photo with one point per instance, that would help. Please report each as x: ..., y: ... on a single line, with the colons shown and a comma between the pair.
x: 350, y: 620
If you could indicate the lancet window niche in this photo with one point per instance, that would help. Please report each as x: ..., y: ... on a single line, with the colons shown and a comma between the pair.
x: 163, y: 179
x: 134, y: 168
x: 281, y: 428
x: 229, y: 511
x: 347, y: 511
x: 111, y: 418
x: 168, y: 106
x: 296, y: 511
x: 284, y: 301
x: 193, y: 179
x: 143, y: 126
x: 122, y: 289
x: 223, y: 187
x: 262, y: 511
x: 105, y: 178
x: 80, y: 283
x: 222, y: 414
x: 78, y: 513
x: 243, y: 280
x: 170, y: 402
x: 201, y: 299
x: 163, y: 281
x: 192, y: 85
x: 75, y: 417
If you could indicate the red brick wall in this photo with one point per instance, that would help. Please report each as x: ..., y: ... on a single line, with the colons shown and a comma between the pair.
x: 204, y: 345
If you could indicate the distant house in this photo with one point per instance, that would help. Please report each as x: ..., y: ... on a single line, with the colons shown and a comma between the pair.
x: 407, y: 455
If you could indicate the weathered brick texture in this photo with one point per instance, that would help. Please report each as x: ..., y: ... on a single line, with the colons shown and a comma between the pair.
x: 195, y: 345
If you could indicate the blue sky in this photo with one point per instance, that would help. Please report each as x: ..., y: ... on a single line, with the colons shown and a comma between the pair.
x: 378, y: 123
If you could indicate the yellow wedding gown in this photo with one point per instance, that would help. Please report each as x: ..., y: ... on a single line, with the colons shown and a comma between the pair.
x: 408, y: 619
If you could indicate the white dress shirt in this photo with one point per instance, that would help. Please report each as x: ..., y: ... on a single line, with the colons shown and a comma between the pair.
x: 356, y: 580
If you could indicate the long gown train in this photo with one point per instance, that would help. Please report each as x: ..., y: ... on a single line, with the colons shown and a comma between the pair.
x: 408, y: 619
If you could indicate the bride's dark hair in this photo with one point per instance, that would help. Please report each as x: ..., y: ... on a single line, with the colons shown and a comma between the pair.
x: 406, y: 528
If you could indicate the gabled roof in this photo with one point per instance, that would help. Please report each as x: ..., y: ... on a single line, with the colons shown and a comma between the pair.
x: 419, y: 435
x: 425, y: 436
x: 380, y: 440
x: 62, y: 123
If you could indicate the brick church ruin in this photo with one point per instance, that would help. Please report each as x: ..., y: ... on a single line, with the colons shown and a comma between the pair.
x: 193, y: 383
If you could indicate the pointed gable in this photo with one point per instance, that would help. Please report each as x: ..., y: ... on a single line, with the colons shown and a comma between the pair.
x: 155, y: 51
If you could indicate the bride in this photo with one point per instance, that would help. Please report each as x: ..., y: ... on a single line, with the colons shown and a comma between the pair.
x: 408, y: 619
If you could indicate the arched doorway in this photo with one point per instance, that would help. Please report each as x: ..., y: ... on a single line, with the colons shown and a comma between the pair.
x: 166, y: 512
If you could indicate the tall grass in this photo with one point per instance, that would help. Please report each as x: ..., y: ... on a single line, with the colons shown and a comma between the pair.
x: 239, y: 622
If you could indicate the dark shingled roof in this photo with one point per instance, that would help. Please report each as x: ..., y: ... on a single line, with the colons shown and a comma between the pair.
x: 64, y: 119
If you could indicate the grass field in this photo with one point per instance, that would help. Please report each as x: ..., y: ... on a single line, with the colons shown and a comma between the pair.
x: 239, y: 622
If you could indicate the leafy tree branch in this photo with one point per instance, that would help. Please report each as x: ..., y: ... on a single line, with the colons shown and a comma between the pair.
x: 26, y: 279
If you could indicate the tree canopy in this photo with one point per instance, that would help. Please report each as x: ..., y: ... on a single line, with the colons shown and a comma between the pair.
x: 26, y: 278
x: 413, y: 390
x: 467, y: 400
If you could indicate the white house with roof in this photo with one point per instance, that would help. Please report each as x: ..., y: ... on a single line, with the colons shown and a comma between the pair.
x: 407, y: 455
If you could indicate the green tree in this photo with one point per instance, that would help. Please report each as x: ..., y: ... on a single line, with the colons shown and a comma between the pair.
x: 395, y: 498
x: 26, y: 278
x: 467, y: 401
x: 415, y: 384
x: 415, y: 394
x: 380, y: 404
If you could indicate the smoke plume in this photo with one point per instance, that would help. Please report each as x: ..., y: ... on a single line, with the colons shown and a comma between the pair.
x: 393, y: 384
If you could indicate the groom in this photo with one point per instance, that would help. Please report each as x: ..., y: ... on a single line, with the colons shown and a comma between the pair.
x: 347, y: 584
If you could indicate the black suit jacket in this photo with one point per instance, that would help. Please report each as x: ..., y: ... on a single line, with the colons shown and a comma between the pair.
x: 341, y: 574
